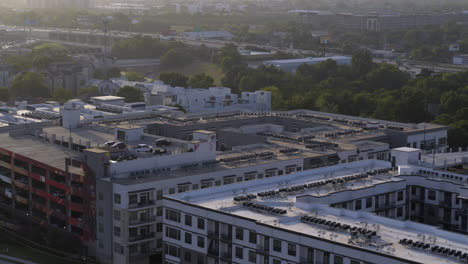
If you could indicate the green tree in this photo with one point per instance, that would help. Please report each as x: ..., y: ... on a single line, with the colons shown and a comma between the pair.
x: 4, y: 94
x: 200, y: 80
x: 362, y: 62
x: 176, y: 57
x: 277, y: 99
x: 174, y: 79
x: 30, y: 84
x: 131, y: 94
x: 134, y: 76
x: 62, y: 94
x: 229, y: 57
x: 88, y: 92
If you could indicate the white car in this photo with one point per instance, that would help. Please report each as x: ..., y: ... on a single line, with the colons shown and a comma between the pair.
x: 143, y: 148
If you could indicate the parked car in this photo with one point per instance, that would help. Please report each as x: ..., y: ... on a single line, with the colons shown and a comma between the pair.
x: 162, y: 142
x: 119, y: 145
x: 109, y: 143
x: 143, y: 148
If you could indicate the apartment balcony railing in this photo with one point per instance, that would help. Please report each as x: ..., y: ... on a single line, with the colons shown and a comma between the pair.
x: 141, y: 204
x: 447, y: 204
x: 141, y: 237
x: 141, y: 221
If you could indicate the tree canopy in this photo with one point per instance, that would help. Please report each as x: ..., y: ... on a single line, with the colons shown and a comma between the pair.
x: 174, y: 79
x: 200, y: 80
x: 131, y: 94
x: 4, y: 94
x: 30, y: 84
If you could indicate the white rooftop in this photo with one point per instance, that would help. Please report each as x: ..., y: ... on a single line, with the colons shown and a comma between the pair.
x: 389, y: 231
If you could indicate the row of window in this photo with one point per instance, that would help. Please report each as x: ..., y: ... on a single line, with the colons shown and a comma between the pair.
x: 174, y: 233
x: 176, y: 217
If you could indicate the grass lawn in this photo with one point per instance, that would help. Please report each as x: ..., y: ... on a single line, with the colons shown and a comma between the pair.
x: 200, y: 67
x: 26, y: 253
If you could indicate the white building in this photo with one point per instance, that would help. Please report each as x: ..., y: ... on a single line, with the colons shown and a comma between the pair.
x: 348, y: 213
x: 460, y: 59
x: 213, y: 99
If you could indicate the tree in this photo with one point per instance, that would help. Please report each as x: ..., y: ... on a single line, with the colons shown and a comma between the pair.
x: 201, y: 80
x: 62, y: 94
x: 134, y: 76
x: 362, y: 62
x: 276, y: 97
x: 174, y: 79
x: 4, y: 94
x: 229, y: 57
x: 30, y: 84
x: 131, y: 94
x: 88, y: 92
x: 175, y: 57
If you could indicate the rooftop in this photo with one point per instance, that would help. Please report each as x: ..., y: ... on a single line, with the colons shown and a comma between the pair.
x: 388, y: 231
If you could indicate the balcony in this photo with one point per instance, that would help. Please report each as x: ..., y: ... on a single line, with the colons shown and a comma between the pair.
x: 226, y: 238
x: 21, y: 183
x: 141, y: 237
x: 213, y: 235
x: 385, y: 206
x: 141, y: 204
x: 462, y: 211
x: 226, y: 256
x: 446, y: 204
x: 146, y: 220
x: 263, y: 250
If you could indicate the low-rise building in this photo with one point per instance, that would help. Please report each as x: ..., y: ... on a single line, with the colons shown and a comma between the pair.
x: 292, y: 64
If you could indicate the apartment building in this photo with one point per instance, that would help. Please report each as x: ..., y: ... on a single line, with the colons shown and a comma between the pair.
x: 327, y: 215
x: 122, y: 190
x: 378, y: 21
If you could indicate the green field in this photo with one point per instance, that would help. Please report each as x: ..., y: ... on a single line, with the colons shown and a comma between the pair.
x: 200, y: 67
x: 26, y: 253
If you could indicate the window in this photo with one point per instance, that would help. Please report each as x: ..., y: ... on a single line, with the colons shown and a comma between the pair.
x: 172, y: 250
x: 188, y: 220
x: 270, y: 173
x: 200, y: 242
x: 239, y: 179
x: 280, y: 172
x: 171, y: 190
x: 116, y: 198
x: 159, y: 211
x: 116, y: 215
x: 206, y: 184
x: 159, y: 195
x: 431, y: 195
x: 172, y: 233
x: 159, y: 243
x: 400, y: 196
x: 276, y: 245
x: 183, y: 188
x: 252, y: 256
x: 290, y: 170
x: 101, y: 245
x: 188, y: 238
x: 368, y: 202
x: 100, y: 211
x: 399, y: 212
x: 276, y: 261
x: 239, y: 233
x: 101, y: 228
x: 381, y: 156
x: 291, y: 249
x: 250, y: 176
x: 252, y: 237
x: 133, y: 199
x: 159, y: 227
x: 172, y: 215
x: 357, y: 205
x: 337, y: 259
x: 133, y: 232
x: 101, y: 196
x: 116, y: 231
x: 195, y: 187
x: 228, y: 180
x: 118, y: 248
x: 239, y: 253
x: 201, y: 223
x: 187, y: 256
